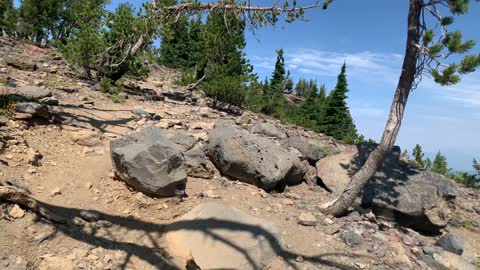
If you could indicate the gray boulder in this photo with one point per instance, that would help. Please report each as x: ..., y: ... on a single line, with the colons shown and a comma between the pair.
x: 310, y: 150
x: 32, y: 92
x: 253, y: 159
x: 223, y: 237
x: 32, y: 108
x: 451, y: 243
x: 398, y: 192
x: 150, y: 162
x: 197, y: 164
x: 20, y: 63
x: 269, y: 130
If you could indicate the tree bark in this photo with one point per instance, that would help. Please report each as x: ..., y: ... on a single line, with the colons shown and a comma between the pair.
x: 341, y: 204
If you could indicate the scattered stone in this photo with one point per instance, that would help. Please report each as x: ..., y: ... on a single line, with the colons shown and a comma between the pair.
x: 50, y: 101
x: 310, y: 173
x: 32, y: 108
x: 150, y: 162
x: 68, y: 87
x: 201, y: 125
x: 253, y: 159
x: 244, y: 119
x: 222, y: 237
x: 451, y: 243
x: 429, y: 249
x: 16, y: 212
x: 352, y: 238
x: 269, y: 130
x: 142, y: 112
x: 197, y: 164
x: 103, y: 224
x: 307, y: 219
x: 453, y: 261
x: 90, y: 216
x: 86, y: 138
x: 34, y: 157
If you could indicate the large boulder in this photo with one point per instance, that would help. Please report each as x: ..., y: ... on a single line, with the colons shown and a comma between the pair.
x: 223, y: 237
x: 197, y: 163
x: 20, y: 63
x: 253, y: 159
x: 398, y: 192
x: 150, y: 162
x: 32, y: 108
x: 269, y: 130
x: 311, y: 150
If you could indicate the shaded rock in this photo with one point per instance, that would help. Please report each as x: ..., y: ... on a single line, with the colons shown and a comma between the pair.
x: 197, y: 164
x: 451, y: 243
x: 253, y: 159
x: 183, y: 140
x: 20, y: 63
x: 51, y: 101
x: 310, y: 150
x: 32, y: 92
x: 91, y: 216
x: 150, y: 162
x: 269, y: 130
x: 244, y: 119
x: 32, y: 108
x: 69, y: 88
x: 310, y: 173
x: 411, y: 197
x: 142, y: 112
x: 222, y: 237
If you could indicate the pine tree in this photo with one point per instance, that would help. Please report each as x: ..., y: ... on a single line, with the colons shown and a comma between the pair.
x: 278, y: 76
x: 418, y: 156
x: 428, y: 164
x: 39, y: 19
x: 226, y: 67
x: 8, y: 17
x: 439, y: 164
x: 337, y: 121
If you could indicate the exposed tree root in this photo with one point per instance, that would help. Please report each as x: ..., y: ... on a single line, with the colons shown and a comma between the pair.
x: 21, y: 197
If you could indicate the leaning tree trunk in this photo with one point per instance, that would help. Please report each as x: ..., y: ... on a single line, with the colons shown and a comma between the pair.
x: 340, y: 205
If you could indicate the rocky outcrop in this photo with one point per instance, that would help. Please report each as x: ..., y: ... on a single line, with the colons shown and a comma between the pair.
x: 150, y: 162
x: 31, y: 92
x: 268, y: 130
x: 20, y: 63
x: 223, y: 237
x: 253, y: 159
x: 310, y: 150
x: 411, y: 197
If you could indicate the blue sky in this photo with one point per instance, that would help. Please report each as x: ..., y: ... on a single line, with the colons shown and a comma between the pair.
x: 370, y: 36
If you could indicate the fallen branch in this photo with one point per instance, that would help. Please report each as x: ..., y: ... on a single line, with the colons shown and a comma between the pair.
x: 21, y: 197
x: 192, y: 86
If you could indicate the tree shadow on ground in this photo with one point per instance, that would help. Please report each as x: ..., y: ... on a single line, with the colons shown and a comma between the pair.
x: 157, y: 256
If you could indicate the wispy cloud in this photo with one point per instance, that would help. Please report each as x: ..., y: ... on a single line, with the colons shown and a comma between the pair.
x: 467, y: 92
x: 365, y: 66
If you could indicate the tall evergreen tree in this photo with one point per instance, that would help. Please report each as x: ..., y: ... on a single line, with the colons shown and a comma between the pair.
x: 337, y: 121
x: 8, y: 17
x: 418, y: 156
x: 278, y: 76
x: 38, y: 19
x: 439, y: 164
x: 226, y: 66
x: 428, y: 163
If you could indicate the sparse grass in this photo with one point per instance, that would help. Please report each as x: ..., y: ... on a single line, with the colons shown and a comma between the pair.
x: 116, y: 98
x: 7, y: 105
x: 467, y: 224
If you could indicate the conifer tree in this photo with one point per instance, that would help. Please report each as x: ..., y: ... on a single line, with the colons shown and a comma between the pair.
x: 428, y: 164
x: 8, y: 17
x: 38, y: 19
x: 439, y: 164
x: 278, y: 76
x: 418, y: 156
x: 337, y: 121
x: 226, y: 67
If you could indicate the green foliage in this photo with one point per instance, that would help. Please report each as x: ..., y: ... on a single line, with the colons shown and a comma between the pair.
x: 439, y: 164
x: 225, y: 66
x: 278, y: 76
x: 428, y: 163
x: 8, y: 16
x: 418, y: 156
x: 337, y: 121
x: 7, y: 105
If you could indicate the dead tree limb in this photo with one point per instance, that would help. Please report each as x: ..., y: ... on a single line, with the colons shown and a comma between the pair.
x: 21, y: 197
x: 192, y: 86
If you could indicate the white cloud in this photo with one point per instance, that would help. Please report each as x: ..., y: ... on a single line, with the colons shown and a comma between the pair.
x: 467, y: 92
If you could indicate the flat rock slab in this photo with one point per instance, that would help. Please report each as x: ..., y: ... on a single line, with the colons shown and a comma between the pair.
x: 223, y: 237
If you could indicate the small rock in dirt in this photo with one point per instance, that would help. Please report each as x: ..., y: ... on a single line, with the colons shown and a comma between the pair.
x: 91, y: 216
x: 142, y: 112
x: 34, y: 157
x: 86, y: 138
x: 307, y: 219
x: 352, y: 238
x: 451, y: 243
x: 244, y: 119
x: 35, y: 109
x: 55, y: 192
x: 16, y: 212
x: 103, y: 224
x: 269, y: 130
x: 453, y: 261
x: 429, y: 249
x: 50, y: 101
x: 32, y: 92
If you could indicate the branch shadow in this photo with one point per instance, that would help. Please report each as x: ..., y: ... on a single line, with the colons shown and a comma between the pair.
x: 161, y: 259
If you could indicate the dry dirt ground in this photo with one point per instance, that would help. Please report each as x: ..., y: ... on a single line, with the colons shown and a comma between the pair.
x: 75, y: 174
